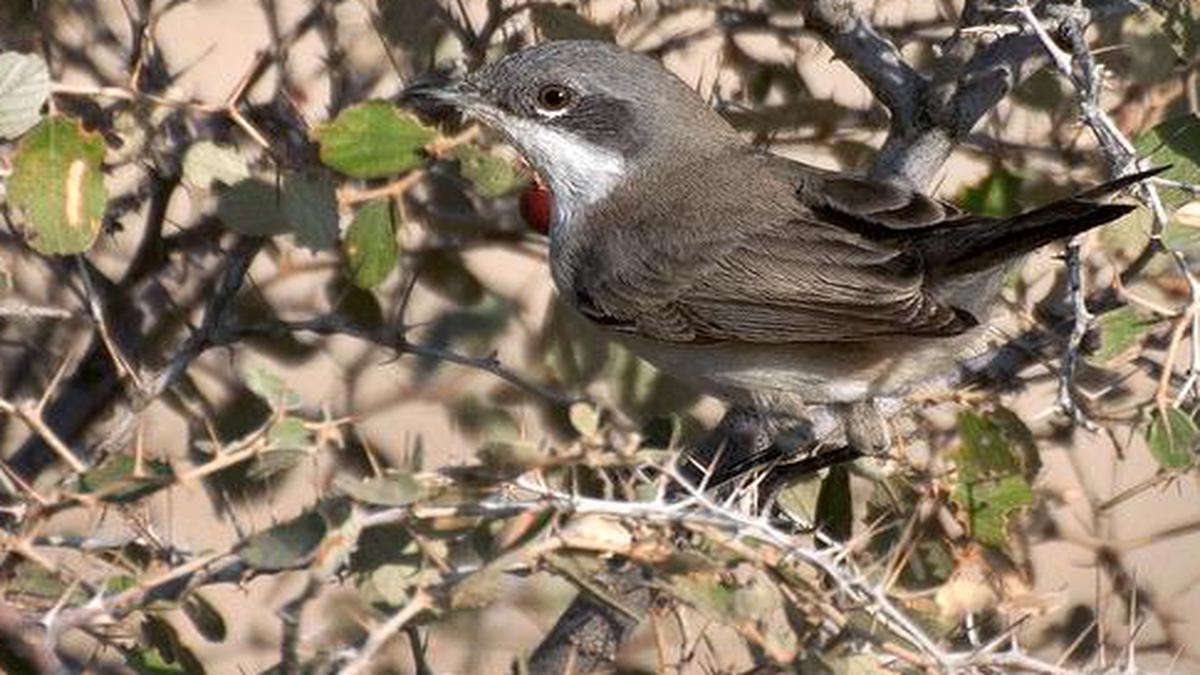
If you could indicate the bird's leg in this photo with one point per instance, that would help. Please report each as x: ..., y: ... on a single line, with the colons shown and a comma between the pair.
x: 790, y: 445
x: 747, y: 437
x: 863, y: 427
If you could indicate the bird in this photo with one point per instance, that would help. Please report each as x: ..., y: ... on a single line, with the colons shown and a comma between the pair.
x: 764, y: 281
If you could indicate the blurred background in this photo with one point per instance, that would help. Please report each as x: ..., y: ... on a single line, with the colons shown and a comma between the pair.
x: 1103, y: 554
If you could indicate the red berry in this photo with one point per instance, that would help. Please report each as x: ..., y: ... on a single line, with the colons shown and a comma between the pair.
x: 535, y: 207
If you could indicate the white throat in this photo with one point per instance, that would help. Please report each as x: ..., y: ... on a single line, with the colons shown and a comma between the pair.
x: 577, y: 172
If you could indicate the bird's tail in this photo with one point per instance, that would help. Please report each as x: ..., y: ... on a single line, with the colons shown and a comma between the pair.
x: 975, y: 243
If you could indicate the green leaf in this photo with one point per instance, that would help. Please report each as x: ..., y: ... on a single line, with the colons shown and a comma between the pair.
x: 1176, y: 142
x: 393, y: 489
x: 119, y: 584
x: 289, y: 433
x: 205, y: 617
x: 1020, y: 439
x: 557, y: 22
x: 254, y: 208
x: 285, y: 546
x: 270, y: 387
x: 370, y: 244
x: 310, y: 207
x: 1120, y: 330
x: 491, y: 175
x: 372, y: 140
x: 206, y: 162
x: 1043, y: 90
x: 305, y: 206
x: 985, y: 450
x: 271, y: 462
x: 835, y: 511
x: 24, y: 88
x: 151, y: 662
x: 1172, y: 437
x: 992, y: 485
x: 57, y: 183
x: 33, y: 580
x: 164, y: 638
x: 118, y: 479
x: 990, y: 503
x: 996, y: 195
x: 289, y: 443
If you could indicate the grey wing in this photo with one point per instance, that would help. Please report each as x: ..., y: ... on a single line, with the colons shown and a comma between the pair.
x: 806, y: 289
x: 836, y: 272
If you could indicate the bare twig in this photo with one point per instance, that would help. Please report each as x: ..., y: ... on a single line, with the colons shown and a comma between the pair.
x: 378, y: 637
x: 392, y: 338
x: 10, y: 310
x: 31, y: 415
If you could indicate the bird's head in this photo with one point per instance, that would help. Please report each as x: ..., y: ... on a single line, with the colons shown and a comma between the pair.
x: 587, y: 115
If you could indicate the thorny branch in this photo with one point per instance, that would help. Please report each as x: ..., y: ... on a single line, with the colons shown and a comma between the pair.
x: 1080, y: 69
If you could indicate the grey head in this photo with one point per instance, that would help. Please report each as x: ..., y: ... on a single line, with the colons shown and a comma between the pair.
x: 586, y: 115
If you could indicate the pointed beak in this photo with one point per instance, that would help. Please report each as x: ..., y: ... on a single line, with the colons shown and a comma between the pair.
x: 436, y: 95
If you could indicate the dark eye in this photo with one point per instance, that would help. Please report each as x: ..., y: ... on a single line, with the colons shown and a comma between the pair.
x: 554, y: 97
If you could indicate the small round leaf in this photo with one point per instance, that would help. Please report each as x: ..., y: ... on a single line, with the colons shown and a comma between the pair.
x: 206, y: 162
x: 370, y: 245
x: 372, y: 140
x: 285, y: 546
x: 57, y: 183
x: 24, y: 87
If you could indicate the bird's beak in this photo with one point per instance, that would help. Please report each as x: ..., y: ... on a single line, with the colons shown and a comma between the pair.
x: 436, y: 95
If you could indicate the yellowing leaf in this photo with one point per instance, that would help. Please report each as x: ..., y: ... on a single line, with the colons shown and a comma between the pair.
x: 585, y: 418
x: 57, y: 184
x: 492, y: 176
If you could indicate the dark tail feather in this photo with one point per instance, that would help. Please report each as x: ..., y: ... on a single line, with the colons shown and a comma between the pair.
x: 973, y: 244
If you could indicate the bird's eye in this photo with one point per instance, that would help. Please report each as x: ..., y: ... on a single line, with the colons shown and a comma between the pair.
x: 554, y: 97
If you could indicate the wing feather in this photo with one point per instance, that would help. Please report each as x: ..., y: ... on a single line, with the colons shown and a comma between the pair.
x: 821, y: 265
